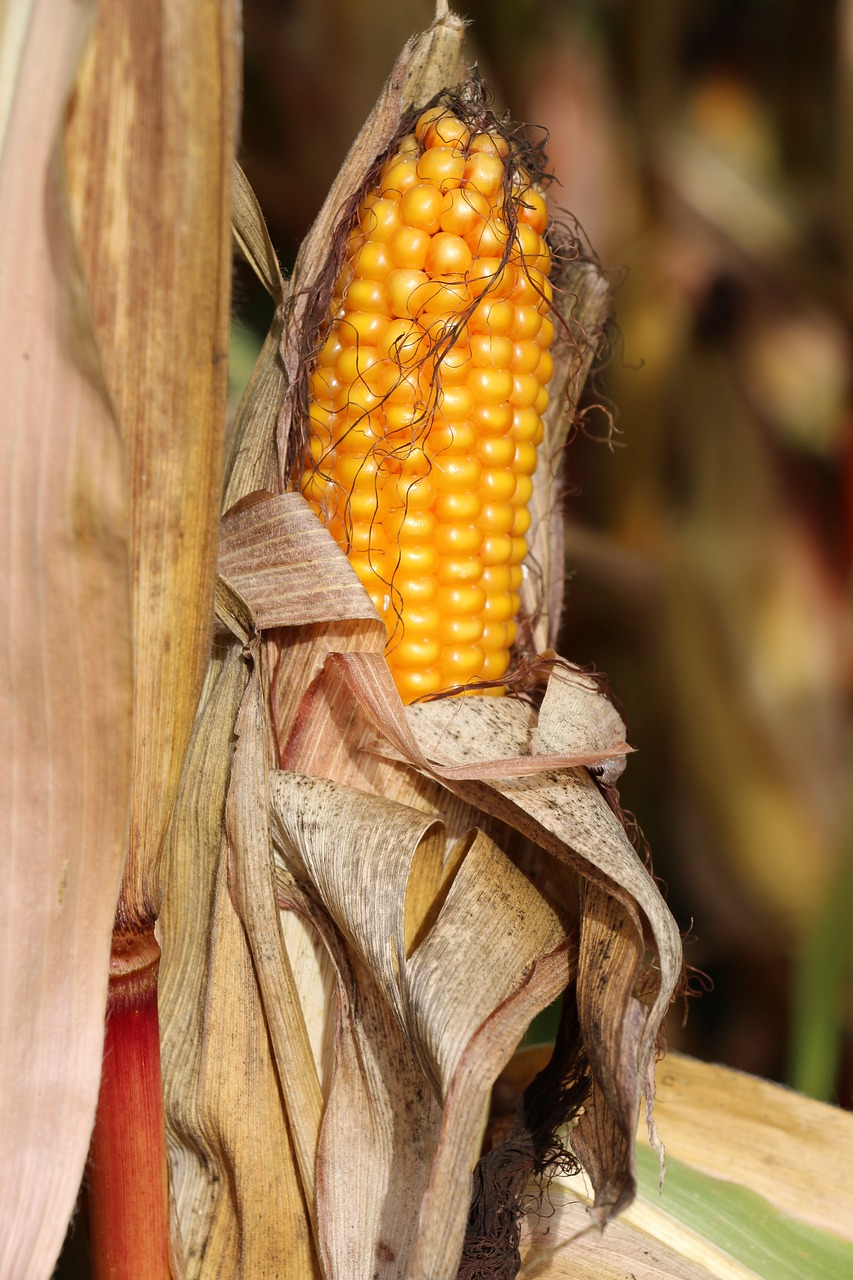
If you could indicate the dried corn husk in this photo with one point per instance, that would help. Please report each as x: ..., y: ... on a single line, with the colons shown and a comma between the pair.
x: 389, y: 947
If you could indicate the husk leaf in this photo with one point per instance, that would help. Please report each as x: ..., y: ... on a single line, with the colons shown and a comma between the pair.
x: 243, y: 929
x: 252, y: 885
x: 285, y: 567
x: 582, y: 300
x: 622, y: 910
x: 250, y: 232
x: 250, y: 462
x: 66, y: 683
x: 425, y: 1017
x: 226, y: 1126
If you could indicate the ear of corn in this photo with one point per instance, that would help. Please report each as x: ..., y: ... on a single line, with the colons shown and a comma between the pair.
x: 427, y: 396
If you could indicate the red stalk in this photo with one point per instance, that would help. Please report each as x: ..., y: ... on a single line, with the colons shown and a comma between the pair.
x: 127, y: 1173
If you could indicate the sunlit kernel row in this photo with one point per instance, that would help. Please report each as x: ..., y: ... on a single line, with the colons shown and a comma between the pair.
x: 427, y: 400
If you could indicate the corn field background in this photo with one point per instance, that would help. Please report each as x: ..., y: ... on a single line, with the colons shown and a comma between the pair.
x: 705, y: 151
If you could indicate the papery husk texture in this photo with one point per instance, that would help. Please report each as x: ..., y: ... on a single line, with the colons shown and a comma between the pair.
x: 66, y: 684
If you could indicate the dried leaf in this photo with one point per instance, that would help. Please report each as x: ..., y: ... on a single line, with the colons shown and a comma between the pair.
x: 371, y: 684
x: 575, y: 713
x: 582, y: 300
x: 250, y: 463
x: 407, y: 1101
x: 286, y: 566
x: 226, y: 1126
x: 565, y: 814
x: 230, y: 977
x: 250, y: 232
x: 65, y: 690
x: 252, y: 887
x: 328, y: 728
x: 622, y: 910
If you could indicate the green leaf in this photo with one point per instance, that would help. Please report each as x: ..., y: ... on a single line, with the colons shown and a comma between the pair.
x: 743, y: 1224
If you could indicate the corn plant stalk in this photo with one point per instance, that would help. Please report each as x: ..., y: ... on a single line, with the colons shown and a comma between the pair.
x: 127, y: 1177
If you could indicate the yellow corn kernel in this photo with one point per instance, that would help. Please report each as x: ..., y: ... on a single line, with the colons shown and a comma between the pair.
x: 461, y: 663
x: 452, y: 437
x: 416, y: 684
x: 455, y: 630
x: 497, y: 548
x: 446, y: 131
x: 427, y: 398
x: 496, y: 451
x: 462, y: 209
x: 421, y: 207
x: 458, y: 508
x: 445, y: 166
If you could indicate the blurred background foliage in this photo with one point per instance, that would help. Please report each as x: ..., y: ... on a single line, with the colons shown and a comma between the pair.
x: 705, y: 150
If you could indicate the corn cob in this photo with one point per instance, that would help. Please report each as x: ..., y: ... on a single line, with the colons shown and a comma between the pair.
x: 427, y: 397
